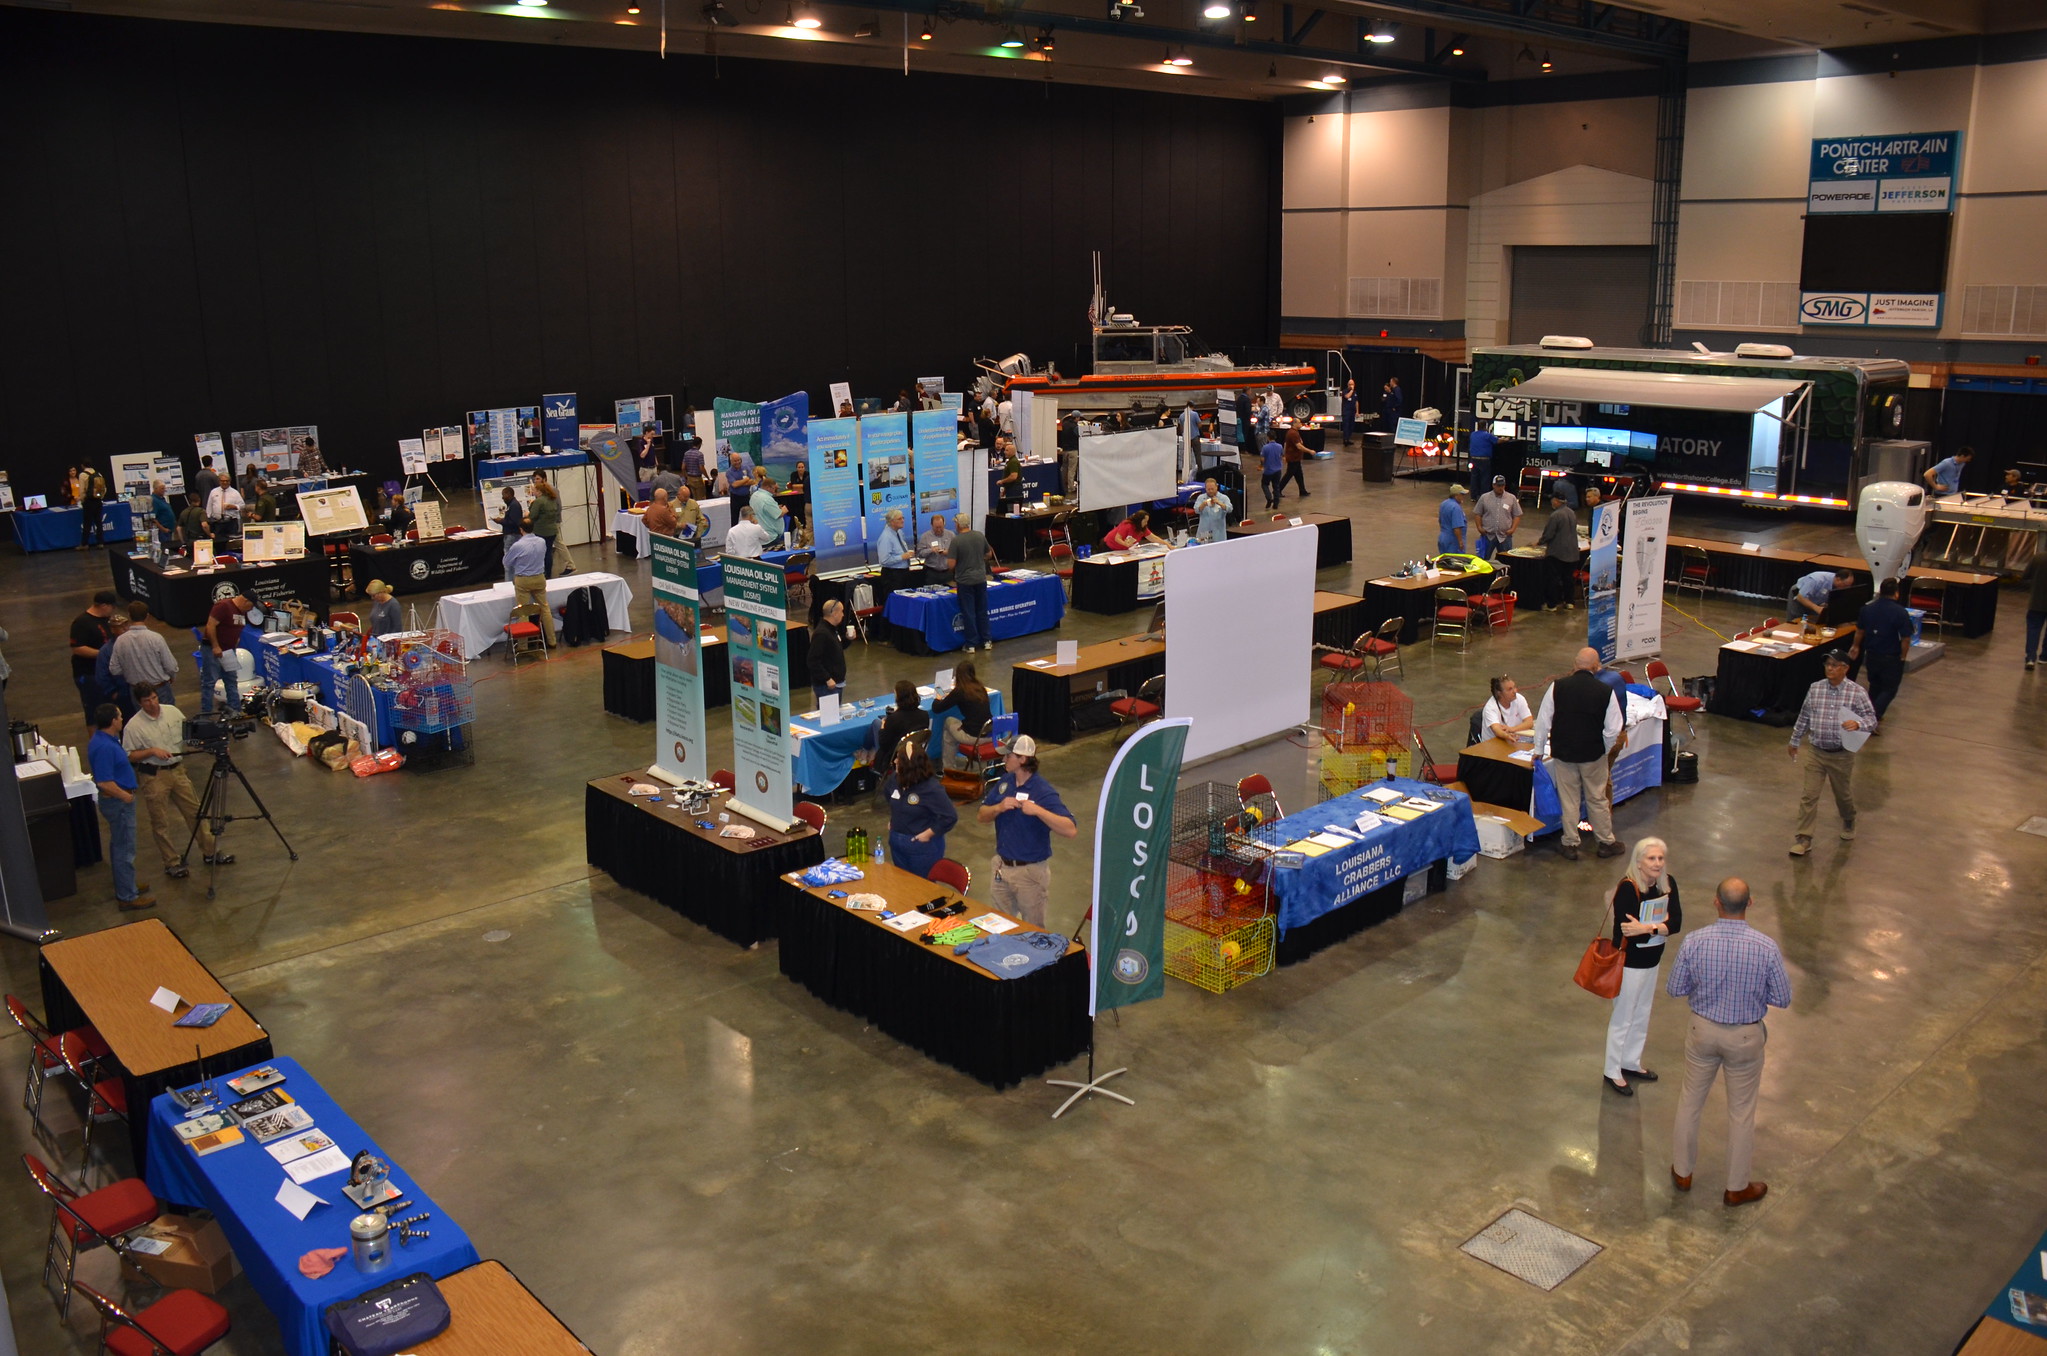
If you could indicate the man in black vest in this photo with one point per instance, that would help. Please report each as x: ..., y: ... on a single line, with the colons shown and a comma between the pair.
x: 1580, y: 721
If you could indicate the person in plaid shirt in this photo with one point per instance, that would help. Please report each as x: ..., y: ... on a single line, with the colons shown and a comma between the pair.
x: 1732, y: 975
x: 1832, y: 705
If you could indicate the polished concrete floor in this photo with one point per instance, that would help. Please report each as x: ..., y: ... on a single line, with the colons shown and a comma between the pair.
x: 683, y: 1152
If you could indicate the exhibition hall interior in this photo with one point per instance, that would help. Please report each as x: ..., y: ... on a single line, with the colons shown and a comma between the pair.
x: 1054, y: 676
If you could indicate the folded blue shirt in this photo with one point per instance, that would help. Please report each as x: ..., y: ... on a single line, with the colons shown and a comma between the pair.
x: 1014, y: 955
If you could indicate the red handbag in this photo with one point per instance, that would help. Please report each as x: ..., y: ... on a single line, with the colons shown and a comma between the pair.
x: 1599, y: 969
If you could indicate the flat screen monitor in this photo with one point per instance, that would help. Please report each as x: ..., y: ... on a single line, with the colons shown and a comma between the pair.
x: 1505, y: 428
x: 1566, y: 445
x: 1642, y: 446
x: 1599, y: 456
x: 36, y: 501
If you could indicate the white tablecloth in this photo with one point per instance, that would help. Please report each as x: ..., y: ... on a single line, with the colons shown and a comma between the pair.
x: 479, y: 616
x: 718, y: 512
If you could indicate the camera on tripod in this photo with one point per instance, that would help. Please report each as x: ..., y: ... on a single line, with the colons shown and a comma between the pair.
x: 212, y: 733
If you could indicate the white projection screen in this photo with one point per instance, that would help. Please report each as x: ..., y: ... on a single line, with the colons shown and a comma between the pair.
x: 1240, y: 621
x: 1128, y: 468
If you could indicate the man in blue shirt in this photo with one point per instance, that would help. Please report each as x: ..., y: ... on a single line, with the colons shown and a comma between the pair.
x: 1274, y: 457
x: 1883, y: 638
x: 1450, y: 521
x: 1211, y: 513
x: 526, y: 567
x: 1946, y: 476
x: 1809, y: 595
x: 893, y: 547
x: 1480, y: 448
x: 114, y: 775
x: 1733, y: 975
x: 1026, y: 811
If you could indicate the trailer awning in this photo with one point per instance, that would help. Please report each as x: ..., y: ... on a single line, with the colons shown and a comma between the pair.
x: 1663, y: 390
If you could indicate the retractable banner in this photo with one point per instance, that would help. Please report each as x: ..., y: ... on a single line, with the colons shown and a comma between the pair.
x: 739, y: 428
x: 784, y: 435
x: 835, y: 517
x: 680, y: 748
x: 603, y: 442
x: 558, y: 422
x: 1602, y: 592
x: 1133, y: 830
x: 1641, y: 584
x: 935, y: 465
x: 885, y: 468
x: 756, y: 625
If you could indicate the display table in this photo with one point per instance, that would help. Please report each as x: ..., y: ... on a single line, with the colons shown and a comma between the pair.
x: 998, y: 1031
x: 1766, y: 572
x: 1492, y: 774
x: 1534, y: 579
x: 479, y: 616
x: 239, y: 1185
x: 1413, y: 600
x: 1020, y: 603
x: 1119, y: 581
x: 1971, y: 597
x: 1045, y: 689
x: 61, y: 529
x: 2014, y: 1326
x: 824, y: 755
x: 1040, y: 478
x: 455, y: 562
x: 1332, y: 534
x: 492, y: 1313
x: 726, y: 884
x: 629, y: 527
x: 181, y: 597
x: 1383, y: 856
x: 1770, y: 687
x: 1339, y: 619
x: 104, y: 979
x: 629, y: 680
x: 330, y: 675
x: 1009, y: 534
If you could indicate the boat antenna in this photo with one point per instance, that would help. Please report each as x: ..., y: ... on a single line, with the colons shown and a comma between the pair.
x: 1096, y: 312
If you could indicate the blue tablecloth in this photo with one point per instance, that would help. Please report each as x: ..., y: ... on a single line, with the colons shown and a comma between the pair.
x: 498, y: 468
x: 1639, y: 767
x: 1040, y: 478
x: 239, y: 1185
x: 2028, y: 1315
x: 711, y: 573
x: 58, y: 529
x: 1016, y: 607
x: 1386, y: 854
x: 824, y: 756
x: 327, y: 674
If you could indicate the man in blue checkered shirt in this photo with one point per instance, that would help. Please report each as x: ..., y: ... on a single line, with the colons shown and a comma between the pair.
x: 1732, y: 974
x: 1833, y: 706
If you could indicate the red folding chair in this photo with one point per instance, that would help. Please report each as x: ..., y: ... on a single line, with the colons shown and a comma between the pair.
x: 44, y: 1058
x: 724, y: 779
x: 78, y: 1223
x: 182, y: 1323
x: 1255, y: 792
x: 811, y: 813
x: 1673, y: 700
x: 105, y: 1098
x: 1147, y: 704
x: 954, y: 875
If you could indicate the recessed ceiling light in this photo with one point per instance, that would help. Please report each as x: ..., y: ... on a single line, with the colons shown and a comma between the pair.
x: 534, y: 4
x: 1216, y: 9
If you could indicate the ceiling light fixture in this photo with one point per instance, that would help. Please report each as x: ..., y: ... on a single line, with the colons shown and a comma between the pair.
x: 1179, y: 59
x: 1249, y: 9
x: 1046, y: 41
x: 1335, y: 78
x: 925, y: 34
x: 1547, y: 64
x: 868, y: 29
x: 1382, y: 32
x: 632, y: 9
x: 533, y: 4
x: 1456, y: 49
x: 1012, y: 38
x: 1216, y: 9
x: 716, y: 15
x: 806, y: 18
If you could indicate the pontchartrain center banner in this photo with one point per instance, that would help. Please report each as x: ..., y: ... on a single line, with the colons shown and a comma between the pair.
x: 680, y: 748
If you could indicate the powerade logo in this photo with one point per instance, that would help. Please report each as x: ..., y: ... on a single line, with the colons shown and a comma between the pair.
x: 1833, y: 308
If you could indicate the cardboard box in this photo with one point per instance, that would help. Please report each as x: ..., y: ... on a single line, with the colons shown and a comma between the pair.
x: 1496, y: 839
x: 199, y: 1257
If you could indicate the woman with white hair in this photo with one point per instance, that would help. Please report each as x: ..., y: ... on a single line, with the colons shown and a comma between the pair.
x: 1645, y: 912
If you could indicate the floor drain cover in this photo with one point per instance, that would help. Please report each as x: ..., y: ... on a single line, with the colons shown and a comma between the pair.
x: 2037, y: 824
x: 497, y: 935
x: 1531, y: 1249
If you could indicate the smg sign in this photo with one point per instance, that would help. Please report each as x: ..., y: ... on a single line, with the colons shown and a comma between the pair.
x: 1908, y: 310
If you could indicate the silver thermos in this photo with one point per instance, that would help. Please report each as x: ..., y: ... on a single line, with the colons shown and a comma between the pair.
x: 369, y: 1242
x: 24, y: 736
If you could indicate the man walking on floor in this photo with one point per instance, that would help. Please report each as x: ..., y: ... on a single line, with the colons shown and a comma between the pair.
x: 1026, y: 811
x: 967, y: 558
x: 1732, y: 975
x: 1883, y: 640
x: 526, y: 567
x: 1834, y: 708
x: 155, y: 741
x: 1580, y: 722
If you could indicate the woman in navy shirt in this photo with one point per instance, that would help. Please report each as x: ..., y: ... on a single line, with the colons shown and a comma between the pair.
x: 920, y: 814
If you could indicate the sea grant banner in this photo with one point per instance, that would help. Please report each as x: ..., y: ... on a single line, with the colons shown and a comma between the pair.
x: 558, y: 422
x: 680, y: 748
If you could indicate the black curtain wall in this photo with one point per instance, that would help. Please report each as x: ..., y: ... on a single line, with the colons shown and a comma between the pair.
x: 219, y: 228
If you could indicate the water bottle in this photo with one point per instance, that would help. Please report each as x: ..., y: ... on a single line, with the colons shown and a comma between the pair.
x: 880, y: 854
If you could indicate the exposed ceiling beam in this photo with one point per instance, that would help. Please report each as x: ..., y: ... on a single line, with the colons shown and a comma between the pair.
x: 1583, y: 23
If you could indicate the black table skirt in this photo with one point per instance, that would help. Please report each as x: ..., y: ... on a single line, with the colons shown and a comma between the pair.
x: 1011, y: 538
x: 1341, y: 626
x: 1749, y: 684
x: 1108, y: 588
x: 1332, y: 544
x: 61, y: 1012
x: 1743, y: 573
x: 734, y: 894
x: 1508, y: 785
x: 428, y: 566
x: 1534, y: 582
x: 1044, y: 701
x: 997, y: 1031
x: 185, y: 599
x: 629, y: 686
x: 1341, y: 924
x: 1414, y: 606
x: 1975, y: 606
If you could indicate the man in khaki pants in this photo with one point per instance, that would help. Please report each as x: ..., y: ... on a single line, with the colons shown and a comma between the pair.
x: 526, y: 567
x: 1732, y: 974
x: 155, y: 742
x: 1835, y: 710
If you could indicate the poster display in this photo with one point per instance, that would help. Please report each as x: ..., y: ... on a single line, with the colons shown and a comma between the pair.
x: 330, y: 511
x: 784, y: 438
x: 756, y: 617
x: 6, y: 494
x: 835, y: 498
x: 930, y: 389
x: 1133, y: 828
x: 132, y: 472
x: 558, y: 422
x: 1640, y: 627
x: 451, y: 442
x: 885, y: 469
x: 680, y: 748
x: 412, y: 456
x: 1023, y: 422
x: 1117, y: 469
x: 935, y: 465
x: 171, y: 471
x: 1602, y: 591
x: 501, y: 433
x: 842, y: 400
x: 739, y: 428
x: 210, y: 445
x: 277, y: 452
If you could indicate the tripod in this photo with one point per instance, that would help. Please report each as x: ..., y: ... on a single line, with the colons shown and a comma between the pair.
x: 213, y: 812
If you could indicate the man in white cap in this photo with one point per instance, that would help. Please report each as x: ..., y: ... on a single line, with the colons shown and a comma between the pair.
x: 1026, y: 811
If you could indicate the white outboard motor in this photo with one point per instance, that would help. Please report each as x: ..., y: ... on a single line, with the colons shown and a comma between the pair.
x: 1888, y: 522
